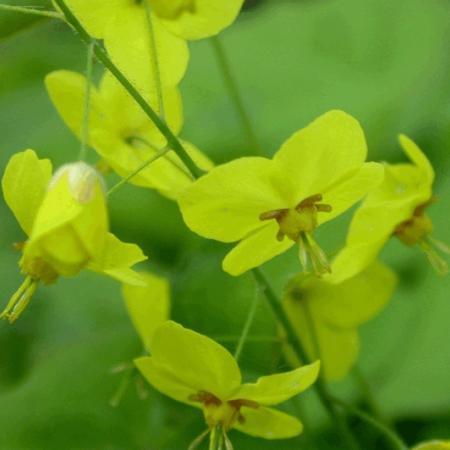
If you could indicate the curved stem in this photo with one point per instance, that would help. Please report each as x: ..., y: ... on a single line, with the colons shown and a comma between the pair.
x: 31, y: 10
x: 248, y: 323
x: 297, y: 346
x: 87, y: 102
x: 172, y: 141
x: 395, y: 441
x: 235, y: 95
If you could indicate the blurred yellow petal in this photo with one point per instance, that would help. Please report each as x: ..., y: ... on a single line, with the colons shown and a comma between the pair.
x: 94, y: 15
x: 255, y: 249
x: 128, y: 41
x: 166, y: 381
x: 207, y: 18
x: 274, y: 389
x: 417, y: 157
x: 24, y: 185
x: 148, y: 306
x: 203, y: 364
x: 67, y: 91
x: 116, y: 261
x: 226, y: 203
x: 268, y: 423
x: 323, y: 153
x: 346, y: 193
x: 433, y: 445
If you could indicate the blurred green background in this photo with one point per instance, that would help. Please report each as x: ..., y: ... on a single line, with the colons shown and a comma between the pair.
x: 387, y: 63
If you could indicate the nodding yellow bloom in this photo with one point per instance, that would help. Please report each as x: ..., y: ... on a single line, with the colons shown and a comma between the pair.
x: 433, y: 445
x: 326, y: 317
x: 122, y: 134
x: 271, y: 204
x: 66, y: 220
x: 148, y: 306
x: 193, y: 369
x: 147, y: 38
x: 396, y: 208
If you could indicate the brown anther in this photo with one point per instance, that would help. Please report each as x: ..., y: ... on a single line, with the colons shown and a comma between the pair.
x: 309, y: 201
x: 275, y: 214
x: 322, y: 207
x: 206, y: 398
x: 239, y: 403
x: 19, y: 246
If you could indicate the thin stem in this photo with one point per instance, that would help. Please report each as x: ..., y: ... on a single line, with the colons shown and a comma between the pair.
x: 155, y: 60
x: 145, y: 164
x: 247, y: 326
x: 31, y: 10
x: 368, y: 395
x: 235, y: 95
x: 123, y: 386
x: 87, y: 102
x: 395, y: 441
x: 172, y: 141
x: 297, y: 346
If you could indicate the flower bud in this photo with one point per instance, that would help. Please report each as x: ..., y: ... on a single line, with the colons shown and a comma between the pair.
x: 71, y: 225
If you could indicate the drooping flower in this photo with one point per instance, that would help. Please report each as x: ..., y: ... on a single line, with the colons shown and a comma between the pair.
x: 433, y: 445
x: 193, y: 369
x: 146, y: 38
x: 122, y: 134
x: 396, y: 208
x: 148, y: 306
x: 66, y: 220
x: 326, y: 317
x: 271, y: 204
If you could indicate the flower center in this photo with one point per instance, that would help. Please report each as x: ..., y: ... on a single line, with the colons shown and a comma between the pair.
x: 417, y: 230
x: 298, y: 224
x: 222, y: 413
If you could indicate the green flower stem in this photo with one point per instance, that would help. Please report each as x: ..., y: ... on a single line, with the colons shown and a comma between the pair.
x: 292, y: 338
x: 87, y: 102
x: 247, y: 325
x: 235, y: 94
x: 30, y: 10
x: 102, y: 56
x: 156, y: 156
x: 394, y: 440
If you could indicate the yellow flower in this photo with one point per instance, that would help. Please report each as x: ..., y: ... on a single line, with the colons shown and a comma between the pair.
x: 326, y: 317
x: 193, y: 369
x: 66, y: 220
x: 148, y: 306
x: 271, y: 204
x: 133, y: 30
x: 396, y: 208
x: 122, y: 134
x: 433, y: 445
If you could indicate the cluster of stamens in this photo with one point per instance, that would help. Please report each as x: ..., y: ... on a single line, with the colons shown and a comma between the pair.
x: 298, y: 224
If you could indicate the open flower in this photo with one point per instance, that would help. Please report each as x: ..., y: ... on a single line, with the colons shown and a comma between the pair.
x: 66, y: 220
x: 122, y: 134
x: 148, y: 306
x: 146, y: 38
x: 326, y: 317
x: 193, y: 369
x: 433, y: 445
x: 396, y: 208
x: 271, y: 204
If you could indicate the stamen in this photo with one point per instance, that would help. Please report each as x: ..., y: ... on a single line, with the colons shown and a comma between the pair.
x: 19, y: 301
x: 228, y: 444
x: 322, y: 207
x: 309, y: 251
x: 198, y: 440
x: 438, y: 263
x: 275, y: 214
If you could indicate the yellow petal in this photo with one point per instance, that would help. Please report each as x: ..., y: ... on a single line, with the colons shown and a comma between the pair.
x: 24, y: 184
x: 116, y: 261
x: 226, y: 203
x: 128, y: 41
x: 148, y: 306
x: 345, y: 194
x: 200, y: 362
x: 172, y: 384
x: 417, y: 156
x: 274, y: 389
x: 72, y: 222
x: 67, y: 91
x: 255, y: 249
x: 94, y: 15
x: 318, y: 156
x: 208, y: 17
x: 268, y: 423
